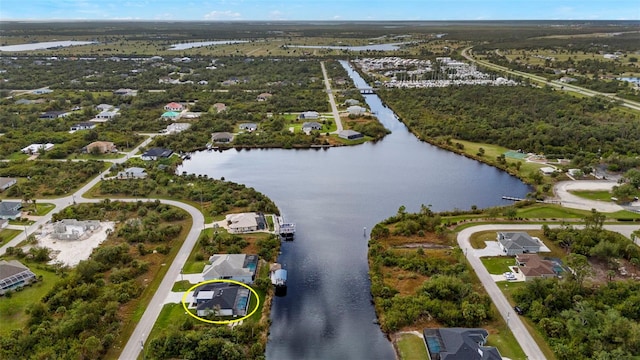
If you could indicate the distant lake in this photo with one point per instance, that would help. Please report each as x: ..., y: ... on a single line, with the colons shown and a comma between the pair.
x: 204, y: 43
x: 373, y: 47
x: 633, y: 80
x: 44, y: 45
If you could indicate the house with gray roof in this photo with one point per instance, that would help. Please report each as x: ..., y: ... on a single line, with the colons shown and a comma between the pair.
x: 309, y: 115
x: 513, y: 243
x: 14, y: 275
x: 309, y: 126
x: 238, y: 267
x: 221, y: 137
x: 350, y: 134
x: 221, y: 299
x: 459, y: 344
x: 7, y: 182
x: 87, y: 125
x: 9, y: 210
x: 156, y: 153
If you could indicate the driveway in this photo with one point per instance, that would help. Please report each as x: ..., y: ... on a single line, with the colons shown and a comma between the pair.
x: 492, y: 249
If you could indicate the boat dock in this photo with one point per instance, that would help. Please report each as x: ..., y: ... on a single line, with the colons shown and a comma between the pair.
x: 278, y: 275
x: 286, y: 231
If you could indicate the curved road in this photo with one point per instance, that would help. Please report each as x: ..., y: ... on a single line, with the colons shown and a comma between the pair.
x: 529, y: 346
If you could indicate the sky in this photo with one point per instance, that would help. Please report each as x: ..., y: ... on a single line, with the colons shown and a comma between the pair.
x: 239, y: 10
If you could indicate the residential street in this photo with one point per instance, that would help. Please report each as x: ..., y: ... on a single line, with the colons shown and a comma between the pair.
x: 332, y: 100
x: 529, y: 346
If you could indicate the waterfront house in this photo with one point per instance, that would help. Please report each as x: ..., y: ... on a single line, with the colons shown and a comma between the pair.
x: 513, y: 243
x: 307, y: 127
x: 221, y: 299
x: 156, y: 153
x: 245, y: 222
x: 238, y: 267
x: 350, y: 134
x: 459, y: 344
x: 14, y: 275
x: 7, y: 182
x: 221, y: 137
x: 356, y: 110
x: 10, y: 210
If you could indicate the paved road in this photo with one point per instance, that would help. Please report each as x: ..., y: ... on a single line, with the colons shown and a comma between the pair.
x: 332, y: 100
x: 555, y: 84
x: 61, y: 203
x: 143, y: 328
x: 529, y: 346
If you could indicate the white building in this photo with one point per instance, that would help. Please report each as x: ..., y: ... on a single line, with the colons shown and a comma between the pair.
x: 238, y: 267
x: 37, y: 148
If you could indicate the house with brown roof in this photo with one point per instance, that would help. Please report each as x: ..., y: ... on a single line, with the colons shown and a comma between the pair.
x: 174, y: 106
x: 533, y: 266
x: 220, y: 107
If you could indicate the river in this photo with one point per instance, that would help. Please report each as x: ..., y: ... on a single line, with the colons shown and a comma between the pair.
x: 332, y: 195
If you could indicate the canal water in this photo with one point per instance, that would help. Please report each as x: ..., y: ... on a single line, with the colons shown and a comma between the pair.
x: 333, y: 195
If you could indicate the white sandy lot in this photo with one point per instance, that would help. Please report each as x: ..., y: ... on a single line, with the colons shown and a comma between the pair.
x: 70, y: 252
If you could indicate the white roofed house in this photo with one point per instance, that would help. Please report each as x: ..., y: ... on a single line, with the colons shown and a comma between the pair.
x: 248, y: 127
x: 37, y: 148
x: 7, y: 182
x: 238, y: 267
x: 245, y: 222
x: 356, y: 110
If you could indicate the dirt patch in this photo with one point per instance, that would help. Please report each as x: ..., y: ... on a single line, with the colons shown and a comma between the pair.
x: 424, y: 246
x: 70, y: 252
x: 406, y: 282
x: 601, y: 268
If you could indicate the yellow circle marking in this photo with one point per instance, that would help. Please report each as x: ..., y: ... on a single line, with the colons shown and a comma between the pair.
x: 184, y: 301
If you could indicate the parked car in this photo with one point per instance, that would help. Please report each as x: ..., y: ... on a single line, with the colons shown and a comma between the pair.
x: 518, y: 310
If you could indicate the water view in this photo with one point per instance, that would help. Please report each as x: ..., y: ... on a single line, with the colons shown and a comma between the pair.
x: 335, y: 196
x: 44, y: 45
x: 190, y: 45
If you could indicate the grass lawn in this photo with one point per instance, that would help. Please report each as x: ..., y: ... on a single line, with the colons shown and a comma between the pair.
x: 269, y: 222
x: 21, y: 222
x: 7, y: 235
x: 41, y: 209
x: 411, y: 347
x: 193, y: 266
x: 592, y: 194
x: 182, y: 285
x: 12, y: 309
x: 547, y: 211
x: 497, y: 265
